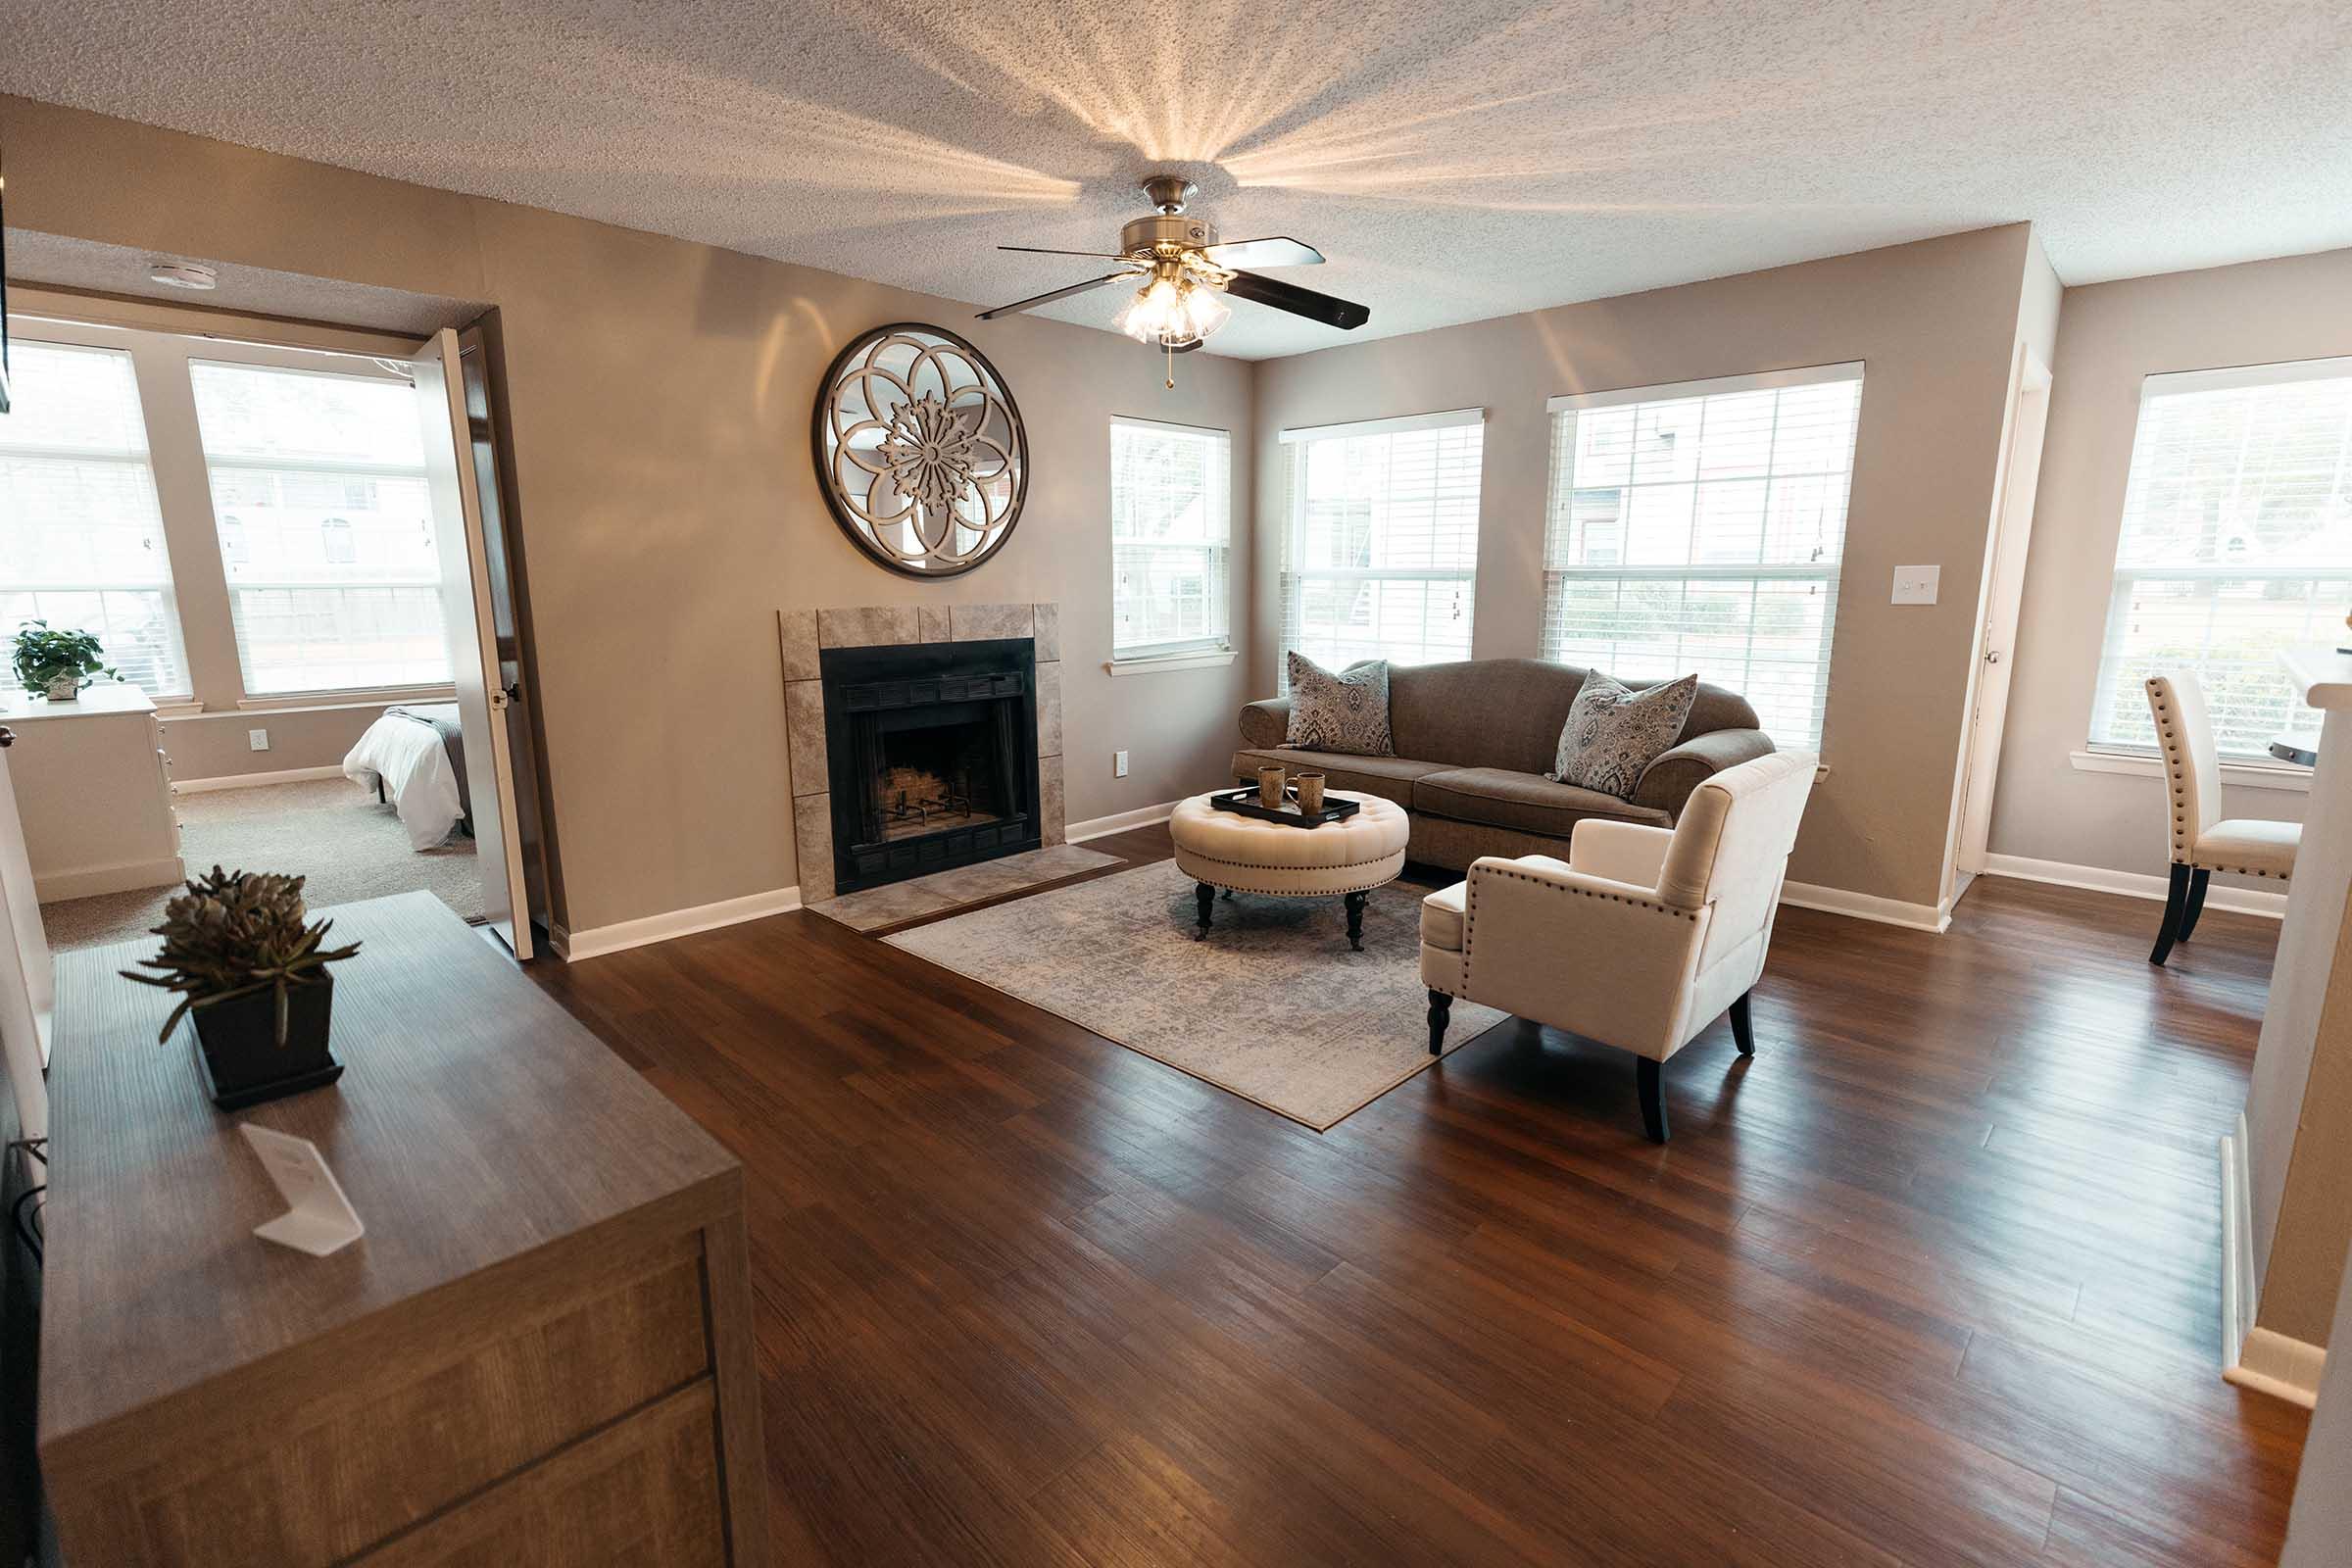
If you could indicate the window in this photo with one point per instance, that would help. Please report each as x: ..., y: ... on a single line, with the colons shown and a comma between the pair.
x: 1700, y: 527
x: 81, y: 541
x: 2237, y: 542
x: 1380, y: 545
x: 326, y: 528
x: 1171, y: 530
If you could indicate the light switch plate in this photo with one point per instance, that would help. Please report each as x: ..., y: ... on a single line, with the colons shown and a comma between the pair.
x: 1916, y: 585
x: 1118, y: 764
x: 258, y: 739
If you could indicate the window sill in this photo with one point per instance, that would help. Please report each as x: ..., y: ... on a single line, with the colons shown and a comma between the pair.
x: 1207, y: 659
x: 322, y: 701
x: 2249, y: 775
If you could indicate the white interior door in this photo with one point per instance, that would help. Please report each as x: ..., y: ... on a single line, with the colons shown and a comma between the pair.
x: 472, y: 636
x: 2005, y: 589
x: 28, y: 989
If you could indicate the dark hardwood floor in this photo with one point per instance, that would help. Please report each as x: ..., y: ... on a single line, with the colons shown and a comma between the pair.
x: 1934, y: 1279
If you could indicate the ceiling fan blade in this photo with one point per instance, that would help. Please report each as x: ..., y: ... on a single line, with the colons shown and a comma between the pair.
x: 1049, y: 297
x: 1277, y: 250
x: 1042, y: 250
x: 1328, y: 308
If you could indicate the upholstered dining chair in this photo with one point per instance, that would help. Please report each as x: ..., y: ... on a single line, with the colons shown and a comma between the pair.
x: 1642, y: 938
x: 2202, y: 841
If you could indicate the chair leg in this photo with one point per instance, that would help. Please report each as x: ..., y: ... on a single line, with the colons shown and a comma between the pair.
x: 1653, y: 1099
x: 2176, y: 904
x: 1440, y: 1005
x: 2196, y: 903
x: 1744, y: 1032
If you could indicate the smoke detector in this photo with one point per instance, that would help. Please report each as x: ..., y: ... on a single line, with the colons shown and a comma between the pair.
x: 183, y: 275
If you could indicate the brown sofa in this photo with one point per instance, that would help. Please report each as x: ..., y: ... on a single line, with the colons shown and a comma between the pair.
x: 1473, y: 743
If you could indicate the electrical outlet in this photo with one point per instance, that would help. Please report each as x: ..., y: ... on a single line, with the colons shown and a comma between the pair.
x: 1916, y: 585
x: 1118, y: 764
x: 258, y: 739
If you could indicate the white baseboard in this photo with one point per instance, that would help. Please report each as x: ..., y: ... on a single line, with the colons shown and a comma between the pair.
x: 2256, y: 1358
x: 2132, y: 884
x: 89, y: 881
x: 249, y: 781
x: 597, y: 941
x: 1119, y: 822
x: 1866, y: 907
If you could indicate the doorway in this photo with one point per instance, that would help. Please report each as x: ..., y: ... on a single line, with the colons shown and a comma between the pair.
x: 281, y: 548
x: 1997, y: 633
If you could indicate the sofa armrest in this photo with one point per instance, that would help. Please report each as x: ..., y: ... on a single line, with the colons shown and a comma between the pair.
x: 1268, y: 723
x: 1623, y: 852
x: 1666, y: 784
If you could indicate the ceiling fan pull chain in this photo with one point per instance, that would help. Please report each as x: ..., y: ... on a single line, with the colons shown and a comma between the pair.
x: 1172, y: 348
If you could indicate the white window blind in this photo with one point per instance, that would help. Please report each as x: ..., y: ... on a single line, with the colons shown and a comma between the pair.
x: 326, y: 528
x: 1700, y: 528
x: 81, y: 541
x: 2237, y: 542
x: 1171, y: 532
x: 1380, y: 548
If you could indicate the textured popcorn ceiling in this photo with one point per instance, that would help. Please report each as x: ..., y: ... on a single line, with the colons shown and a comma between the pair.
x: 1455, y: 159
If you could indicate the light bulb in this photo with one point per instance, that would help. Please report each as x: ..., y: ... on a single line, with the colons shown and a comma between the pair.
x: 1204, y: 311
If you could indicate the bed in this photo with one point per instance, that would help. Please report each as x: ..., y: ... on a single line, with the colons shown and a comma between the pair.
x: 415, y: 757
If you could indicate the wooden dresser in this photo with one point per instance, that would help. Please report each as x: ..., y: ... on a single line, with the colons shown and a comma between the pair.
x: 94, y: 790
x: 539, y: 1354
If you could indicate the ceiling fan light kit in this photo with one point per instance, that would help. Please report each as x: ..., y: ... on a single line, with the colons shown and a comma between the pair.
x: 1183, y: 272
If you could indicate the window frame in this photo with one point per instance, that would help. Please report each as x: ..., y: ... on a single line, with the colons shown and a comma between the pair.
x: 1828, y: 572
x: 2243, y: 765
x: 1294, y: 579
x: 92, y: 337
x: 1186, y: 653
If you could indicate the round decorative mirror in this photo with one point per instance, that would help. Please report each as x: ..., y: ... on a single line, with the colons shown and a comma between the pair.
x: 919, y: 450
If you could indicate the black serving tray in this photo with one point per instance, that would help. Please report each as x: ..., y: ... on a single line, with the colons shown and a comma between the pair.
x: 1245, y: 803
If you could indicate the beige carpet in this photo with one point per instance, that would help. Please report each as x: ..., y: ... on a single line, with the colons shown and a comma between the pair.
x: 328, y: 830
x: 1274, y: 1006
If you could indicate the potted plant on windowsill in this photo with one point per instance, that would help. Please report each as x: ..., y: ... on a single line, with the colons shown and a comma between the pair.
x: 58, y: 663
x: 254, y: 978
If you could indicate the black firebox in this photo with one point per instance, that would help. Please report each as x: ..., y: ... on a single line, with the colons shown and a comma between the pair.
x: 931, y: 748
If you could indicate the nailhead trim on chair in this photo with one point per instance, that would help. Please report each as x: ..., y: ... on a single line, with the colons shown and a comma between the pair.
x: 1470, y: 908
x: 2184, y: 848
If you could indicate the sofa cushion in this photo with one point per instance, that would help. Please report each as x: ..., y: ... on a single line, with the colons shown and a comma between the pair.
x: 1508, y: 712
x: 1343, y: 712
x: 1388, y: 777
x: 1613, y: 734
x: 1500, y: 798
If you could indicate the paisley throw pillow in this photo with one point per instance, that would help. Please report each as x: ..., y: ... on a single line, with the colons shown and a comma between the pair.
x: 1343, y: 712
x: 1613, y: 734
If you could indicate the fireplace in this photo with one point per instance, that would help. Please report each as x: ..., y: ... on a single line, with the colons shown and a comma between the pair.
x: 931, y: 756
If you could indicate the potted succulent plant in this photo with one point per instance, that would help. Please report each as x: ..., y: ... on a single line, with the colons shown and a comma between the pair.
x: 254, y: 977
x: 58, y: 663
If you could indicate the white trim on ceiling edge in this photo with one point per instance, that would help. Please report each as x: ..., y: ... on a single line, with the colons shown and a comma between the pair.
x: 2260, y: 1359
x: 250, y: 781
x: 2132, y: 884
x: 597, y: 941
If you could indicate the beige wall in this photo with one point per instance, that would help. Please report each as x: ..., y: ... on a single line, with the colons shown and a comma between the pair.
x: 2319, y: 1532
x: 661, y: 394
x: 2112, y: 336
x: 1935, y: 323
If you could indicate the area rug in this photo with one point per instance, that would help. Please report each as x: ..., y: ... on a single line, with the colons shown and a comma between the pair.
x: 1273, y: 1005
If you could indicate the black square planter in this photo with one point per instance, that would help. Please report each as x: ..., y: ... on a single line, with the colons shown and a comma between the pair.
x: 243, y: 1062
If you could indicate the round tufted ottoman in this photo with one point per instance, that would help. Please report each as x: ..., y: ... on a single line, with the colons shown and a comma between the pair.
x: 1246, y: 854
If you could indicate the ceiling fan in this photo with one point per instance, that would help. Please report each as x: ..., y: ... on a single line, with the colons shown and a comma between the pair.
x: 1184, y: 269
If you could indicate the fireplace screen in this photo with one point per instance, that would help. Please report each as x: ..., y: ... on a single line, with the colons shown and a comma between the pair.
x: 932, y: 754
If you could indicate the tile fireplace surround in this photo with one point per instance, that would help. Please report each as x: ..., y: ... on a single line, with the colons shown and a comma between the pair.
x: 802, y: 633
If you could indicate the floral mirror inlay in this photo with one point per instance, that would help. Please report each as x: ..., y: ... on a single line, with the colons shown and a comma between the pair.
x: 919, y: 450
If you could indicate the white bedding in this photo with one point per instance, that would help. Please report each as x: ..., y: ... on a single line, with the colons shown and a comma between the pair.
x: 409, y: 757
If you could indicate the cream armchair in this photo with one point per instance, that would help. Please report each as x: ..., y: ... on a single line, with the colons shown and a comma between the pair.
x: 1642, y: 938
x: 2202, y: 842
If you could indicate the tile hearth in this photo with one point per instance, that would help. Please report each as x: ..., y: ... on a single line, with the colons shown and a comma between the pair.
x: 802, y: 634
